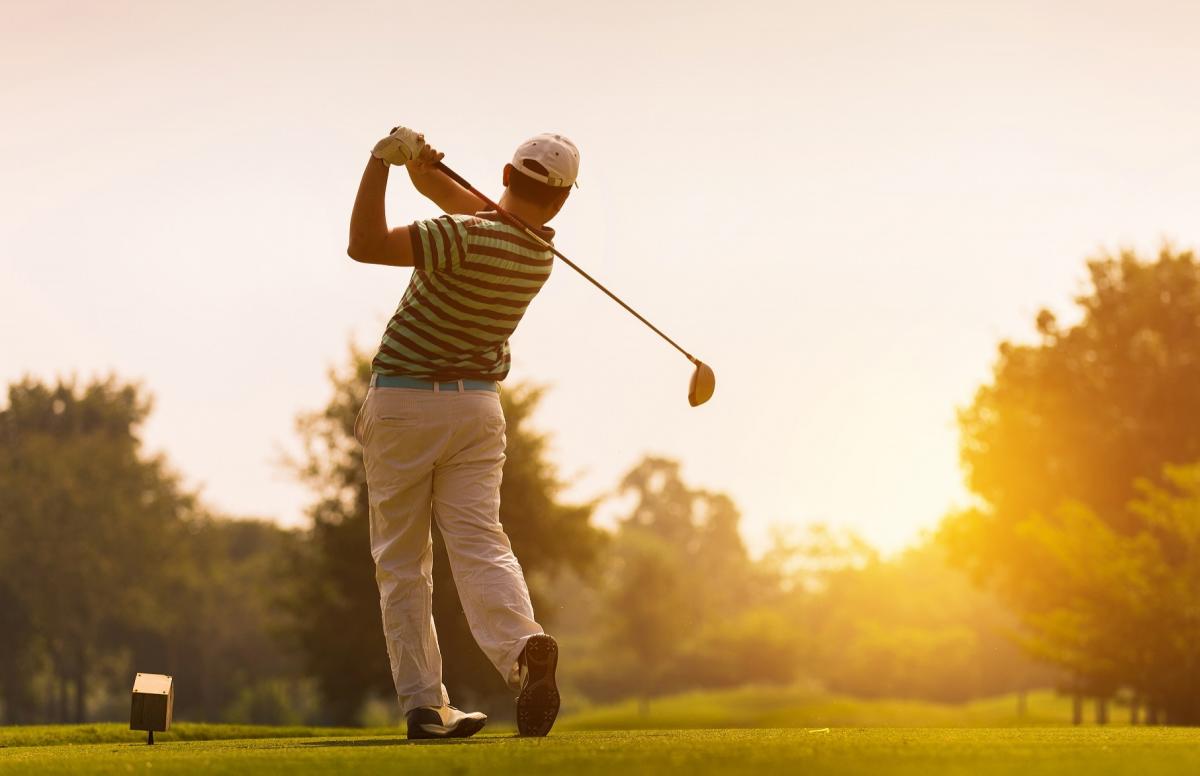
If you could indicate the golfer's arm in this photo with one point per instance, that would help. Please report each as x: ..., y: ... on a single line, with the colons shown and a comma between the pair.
x: 437, y: 187
x: 371, y: 242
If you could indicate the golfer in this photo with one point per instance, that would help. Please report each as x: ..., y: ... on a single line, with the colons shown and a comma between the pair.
x: 431, y: 427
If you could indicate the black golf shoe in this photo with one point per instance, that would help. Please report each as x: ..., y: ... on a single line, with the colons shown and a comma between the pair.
x: 537, y: 705
x: 444, y: 722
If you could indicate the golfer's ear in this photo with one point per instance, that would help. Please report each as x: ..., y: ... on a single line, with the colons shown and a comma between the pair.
x: 394, y: 250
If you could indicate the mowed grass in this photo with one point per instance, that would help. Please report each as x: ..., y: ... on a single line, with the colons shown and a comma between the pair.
x: 119, y: 733
x: 781, y: 707
x: 749, y: 730
x: 748, y: 707
x: 1056, y: 751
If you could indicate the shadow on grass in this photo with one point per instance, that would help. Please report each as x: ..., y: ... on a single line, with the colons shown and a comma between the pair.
x: 405, y: 742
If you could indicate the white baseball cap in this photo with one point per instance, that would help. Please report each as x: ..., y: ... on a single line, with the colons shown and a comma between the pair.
x: 556, y: 153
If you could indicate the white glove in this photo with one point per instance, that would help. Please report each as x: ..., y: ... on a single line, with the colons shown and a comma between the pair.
x: 400, y: 147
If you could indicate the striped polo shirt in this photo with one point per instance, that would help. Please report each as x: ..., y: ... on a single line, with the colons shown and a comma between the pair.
x: 473, y: 277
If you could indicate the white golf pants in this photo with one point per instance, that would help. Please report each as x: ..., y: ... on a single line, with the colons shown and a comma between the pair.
x: 441, y: 455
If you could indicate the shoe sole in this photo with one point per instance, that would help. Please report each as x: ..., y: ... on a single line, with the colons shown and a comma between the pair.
x: 537, y: 705
x: 464, y: 729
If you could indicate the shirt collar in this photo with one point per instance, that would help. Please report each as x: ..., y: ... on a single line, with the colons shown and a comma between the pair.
x: 545, y: 232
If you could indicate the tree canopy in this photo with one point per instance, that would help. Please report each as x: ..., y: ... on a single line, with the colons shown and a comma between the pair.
x: 1059, y: 447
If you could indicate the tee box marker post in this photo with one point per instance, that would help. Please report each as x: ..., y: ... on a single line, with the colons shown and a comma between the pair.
x: 153, y: 702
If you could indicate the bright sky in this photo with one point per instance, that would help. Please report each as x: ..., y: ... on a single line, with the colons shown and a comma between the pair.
x: 842, y: 207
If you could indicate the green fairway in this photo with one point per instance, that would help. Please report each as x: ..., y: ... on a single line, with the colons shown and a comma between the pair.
x: 786, y: 707
x: 1027, y: 751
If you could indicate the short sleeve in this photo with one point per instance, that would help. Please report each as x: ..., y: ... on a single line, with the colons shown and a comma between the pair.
x: 439, y: 244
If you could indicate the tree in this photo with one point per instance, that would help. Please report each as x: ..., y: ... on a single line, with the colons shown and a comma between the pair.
x: 683, y: 604
x: 910, y: 626
x: 222, y: 642
x: 18, y: 657
x: 107, y: 567
x: 87, y: 529
x: 1121, y: 605
x: 1080, y: 417
x: 334, y: 603
x: 335, y: 608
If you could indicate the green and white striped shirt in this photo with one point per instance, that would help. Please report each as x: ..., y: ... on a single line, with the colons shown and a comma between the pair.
x: 473, y: 277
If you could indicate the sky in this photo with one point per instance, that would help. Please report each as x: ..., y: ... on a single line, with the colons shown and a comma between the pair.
x: 842, y: 207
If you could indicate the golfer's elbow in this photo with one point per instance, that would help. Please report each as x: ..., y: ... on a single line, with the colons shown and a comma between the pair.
x: 359, y: 249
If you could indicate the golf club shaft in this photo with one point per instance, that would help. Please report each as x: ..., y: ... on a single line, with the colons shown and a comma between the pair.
x: 518, y: 223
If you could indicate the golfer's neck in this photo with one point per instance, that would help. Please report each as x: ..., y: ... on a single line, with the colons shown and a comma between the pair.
x: 530, y: 214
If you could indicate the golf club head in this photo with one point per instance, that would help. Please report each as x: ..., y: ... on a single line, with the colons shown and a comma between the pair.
x: 704, y: 382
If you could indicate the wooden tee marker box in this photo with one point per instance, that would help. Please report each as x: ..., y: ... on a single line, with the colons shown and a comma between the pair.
x: 153, y: 702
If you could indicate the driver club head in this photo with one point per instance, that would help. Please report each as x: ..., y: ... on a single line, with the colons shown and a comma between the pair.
x: 704, y: 382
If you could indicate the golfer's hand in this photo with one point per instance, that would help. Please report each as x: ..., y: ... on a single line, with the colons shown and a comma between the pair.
x: 400, y: 147
x: 425, y: 162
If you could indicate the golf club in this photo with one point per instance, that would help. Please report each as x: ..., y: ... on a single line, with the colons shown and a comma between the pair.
x: 703, y: 382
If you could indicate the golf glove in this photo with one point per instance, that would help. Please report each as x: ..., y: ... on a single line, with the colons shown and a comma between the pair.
x: 400, y: 147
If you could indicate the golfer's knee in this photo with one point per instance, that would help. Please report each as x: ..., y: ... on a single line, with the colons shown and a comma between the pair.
x: 491, y: 545
x: 402, y: 581
x: 495, y: 572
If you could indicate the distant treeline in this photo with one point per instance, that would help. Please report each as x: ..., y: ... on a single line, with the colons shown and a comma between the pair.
x: 108, y: 567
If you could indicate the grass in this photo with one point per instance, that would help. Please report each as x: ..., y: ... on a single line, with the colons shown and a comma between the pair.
x: 749, y: 707
x: 772, y: 707
x: 749, y: 730
x: 1087, y: 751
x: 117, y: 732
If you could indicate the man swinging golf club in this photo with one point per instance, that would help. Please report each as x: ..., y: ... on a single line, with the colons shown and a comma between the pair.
x: 431, y: 427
